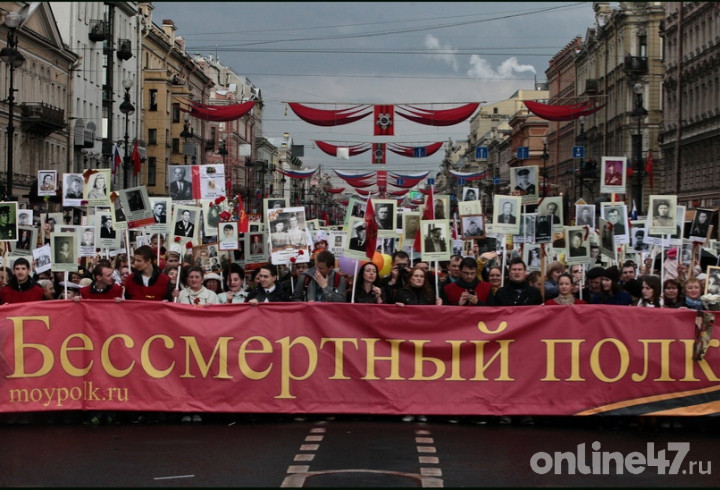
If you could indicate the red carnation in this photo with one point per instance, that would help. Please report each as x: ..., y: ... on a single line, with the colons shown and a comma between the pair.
x: 301, y: 252
x: 219, y: 199
x: 188, y: 245
x: 196, y: 301
x: 83, y: 202
x: 225, y: 215
x: 177, y: 239
x: 293, y: 259
x: 210, y: 204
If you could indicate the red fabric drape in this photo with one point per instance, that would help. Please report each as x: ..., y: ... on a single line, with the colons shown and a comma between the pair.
x: 334, y: 190
x: 219, y: 113
x: 323, y: 117
x: 446, y: 117
x: 415, y: 151
x: 332, y: 149
x: 568, y: 112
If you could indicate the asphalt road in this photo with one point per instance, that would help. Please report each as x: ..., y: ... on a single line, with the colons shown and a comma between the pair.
x: 268, y: 451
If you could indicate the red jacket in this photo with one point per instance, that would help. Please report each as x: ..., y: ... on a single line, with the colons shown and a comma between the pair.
x: 9, y: 294
x: 89, y: 292
x: 453, y: 291
x: 157, y: 290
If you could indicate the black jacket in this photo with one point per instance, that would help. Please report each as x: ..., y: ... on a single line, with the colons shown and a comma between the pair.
x: 516, y: 294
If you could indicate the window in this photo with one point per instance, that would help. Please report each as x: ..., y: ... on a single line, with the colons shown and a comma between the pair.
x: 152, y: 136
x: 152, y: 169
x: 642, y: 46
x: 176, y: 113
x: 153, y: 99
x: 176, y: 145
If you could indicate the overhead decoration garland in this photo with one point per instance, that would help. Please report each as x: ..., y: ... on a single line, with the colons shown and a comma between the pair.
x: 415, y: 151
x: 218, y: 113
x: 297, y: 174
x: 332, y: 150
x: 567, y: 112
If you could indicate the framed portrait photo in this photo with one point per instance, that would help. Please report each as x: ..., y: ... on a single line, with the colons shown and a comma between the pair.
x: 613, y: 175
x: 662, y: 214
x: 256, y: 246
x: 577, y: 245
x: 469, y: 207
x: 385, y: 211
x: 700, y: 226
x: 470, y: 194
x: 441, y: 205
x: 532, y: 256
x: 436, y: 240
x: 410, y: 227
x: 64, y: 252
x: 161, y: 209
x: 8, y: 221
x: 72, y: 190
x: 506, y: 214
x: 47, y: 182
x: 273, y: 203
x: 585, y: 215
x: 185, y: 224
x: 473, y: 226
x: 712, y: 283
x: 524, y: 183
x: 356, y: 239
x: 553, y: 206
x: 607, y: 239
x: 136, y: 205
x: 27, y: 240
x: 227, y: 233
x: 616, y: 214
x: 96, y: 190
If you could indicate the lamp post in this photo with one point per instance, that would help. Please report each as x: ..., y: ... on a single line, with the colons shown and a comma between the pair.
x: 186, y: 134
x: 639, y: 112
x: 14, y: 59
x: 545, y: 157
x: 128, y: 109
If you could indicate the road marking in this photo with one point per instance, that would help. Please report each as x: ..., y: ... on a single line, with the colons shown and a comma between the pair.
x: 314, y: 438
x: 304, y: 457
x: 309, y: 447
x: 432, y: 474
x: 173, y: 477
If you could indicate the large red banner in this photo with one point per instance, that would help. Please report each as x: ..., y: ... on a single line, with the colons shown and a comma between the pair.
x: 347, y: 358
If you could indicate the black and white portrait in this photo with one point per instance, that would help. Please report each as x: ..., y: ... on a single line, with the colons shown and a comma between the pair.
x: 470, y: 194
x: 473, y: 226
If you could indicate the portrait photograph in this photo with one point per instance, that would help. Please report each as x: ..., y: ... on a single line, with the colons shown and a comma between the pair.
x: 8, y: 221
x: 64, y: 252
x: 355, y: 208
x: 385, y: 211
x: 616, y: 215
x: 553, y: 206
x: 612, y: 175
x: 543, y: 228
x: 410, y: 227
x: 506, y: 212
x: 607, y: 239
x: 47, y: 182
x: 72, y: 190
x: 469, y: 207
x: 119, y: 215
x: 255, y: 227
x: 136, y: 207
x: 211, y: 181
x: 712, y: 284
x: 288, y: 235
x: 470, y: 194
x: 473, y: 226
x: 527, y: 228
x: 227, y: 233
x: 87, y: 241
x: 274, y: 203
x: 441, y: 205
x: 105, y: 235
x: 211, y: 216
x: 25, y: 217
x: 255, y: 246
x: 700, y: 226
x: 338, y: 242
x: 97, y: 187
x: 356, y: 238
x: 662, y: 209
x: 27, y: 240
x: 532, y: 256
x: 638, y: 238
x: 180, y: 186
x: 41, y: 259
x: 524, y: 183
x: 312, y: 225
x: 161, y: 208
x: 577, y: 244
x: 436, y: 239
x: 185, y: 224
x: 585, y: 215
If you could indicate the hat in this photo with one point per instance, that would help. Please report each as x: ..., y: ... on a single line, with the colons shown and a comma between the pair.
x: 595, y: 272
x: 172, y: 252
x: 524, y: 171
x: 634, y: 287
x: 612, y: 273
x: 662, y: 202
x: 85, y: 281
x: 672, y: 253
x: 436, y: 228
x: 211, y: 275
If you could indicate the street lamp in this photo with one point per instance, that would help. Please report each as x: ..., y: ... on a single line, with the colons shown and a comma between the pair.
x: 186, y: 134
x: 14, y: 59
x: 128, y: 109
x: 545, y: 157
x: 639, y: 112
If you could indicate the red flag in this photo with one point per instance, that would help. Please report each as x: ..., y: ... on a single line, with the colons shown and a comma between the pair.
x: 649, y: 169
x: 243, y: 223
x: 135, y: 159
x: 384, y: 119
x: 370, y: 229
x: 116, y: 159
x: 378, y: 154
x: 428, y: 213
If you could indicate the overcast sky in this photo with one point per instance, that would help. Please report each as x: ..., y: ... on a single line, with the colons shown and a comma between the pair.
x: 445, y: 53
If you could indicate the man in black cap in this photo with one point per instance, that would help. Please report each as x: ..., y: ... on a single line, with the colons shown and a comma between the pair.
x: 435, y: 242
x: 523, y: 183
x: 358, y: 242
x: 662, y: 214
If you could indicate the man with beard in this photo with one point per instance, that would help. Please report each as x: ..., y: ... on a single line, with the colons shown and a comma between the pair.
x: 467, y: 290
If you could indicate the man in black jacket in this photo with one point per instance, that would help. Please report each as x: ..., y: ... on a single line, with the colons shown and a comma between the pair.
x: 268, y: 291
x: 517, y: 291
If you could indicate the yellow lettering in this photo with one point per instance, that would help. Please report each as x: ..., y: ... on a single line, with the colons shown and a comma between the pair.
x: 703, y: 364
x: 503, y: 353
x: 597, y: 368
x: 455, y: 360
x: 484, y: 329
x: 69, y: 367
x: 244, y: 351
x: 394, y: 359
x: 286, y: 374
x: 339, y: 344
x: 664, y: 360
x: 149, y: 368
x: 19, y: 348
x: 420, y: 361
x: 107, y: 364
x: 574, y: 359
x: 221, y: 346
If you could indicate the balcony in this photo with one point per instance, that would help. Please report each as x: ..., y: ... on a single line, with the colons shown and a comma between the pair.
x: 591, y: 86
x: 635, y: 65
x: 42, y: 118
